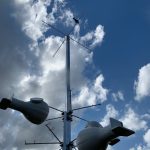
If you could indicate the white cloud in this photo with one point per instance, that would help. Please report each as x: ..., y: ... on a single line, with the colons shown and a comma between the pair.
x: 30, y: 69
x: 90, y: 95
x: 147, y: 138
x: 68, y: 17
x: 94, y: 37
x: 111, y: 112
x: 99, y: 90
x: 146, y: 145
x: 139, y: 147
x: 142, y: 85
x: 98, y: 35
x: 118, y: 96
x: 132, y: 148
x: 133, y: 121
x: 146, y: 116
x: 30, y: 16
x: 110, y: 147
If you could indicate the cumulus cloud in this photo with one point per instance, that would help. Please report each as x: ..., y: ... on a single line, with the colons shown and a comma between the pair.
x: 147, y: 138
x: 118, y: 96
x: 139, y: 147
x: 130, y: 118
x: 142, y: 85
x: 30, y: 14
x: 133, y: 120
x: 28, y: 68
x: 110, y: 147
x: 92, y: 94
x: 146, y: 145
x: 94, y: 37
x: 111, y: 112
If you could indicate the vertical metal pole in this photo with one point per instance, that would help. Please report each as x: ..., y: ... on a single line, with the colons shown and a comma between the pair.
x: 67, y: 120
x: 65, y: 132
x: 69, y: 107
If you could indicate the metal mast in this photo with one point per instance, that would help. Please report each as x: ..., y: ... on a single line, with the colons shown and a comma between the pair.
x: 67, y: 114
x: 68, y: 111
x: 69, y: 107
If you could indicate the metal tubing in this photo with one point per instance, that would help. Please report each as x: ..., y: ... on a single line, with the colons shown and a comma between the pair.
x: 69, y: 108
x: 85, y: 107
x: 53, y: 133
x: 67, y: 120
x: 65, y: 132
x: 55, y: 109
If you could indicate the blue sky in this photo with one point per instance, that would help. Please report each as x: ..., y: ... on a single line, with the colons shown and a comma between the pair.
x: 124, y: 50
x: 115, y: 72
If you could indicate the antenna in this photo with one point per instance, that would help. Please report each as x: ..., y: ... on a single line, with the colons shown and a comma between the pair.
x: 65, y: 35
x: 67, y: 114
x: 86, y: 138
x: 39, y: 115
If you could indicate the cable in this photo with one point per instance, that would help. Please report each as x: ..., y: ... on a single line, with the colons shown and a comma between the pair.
x: 80, y: 44
x: 80, y: 118
x: 59, y: 31
x: 85, y: 107
x: 62, y: 33
x: 53, y: 133
x: 30, y: 143
x: 55, y: 109
x: 53, y: 118
x: 59, y: 48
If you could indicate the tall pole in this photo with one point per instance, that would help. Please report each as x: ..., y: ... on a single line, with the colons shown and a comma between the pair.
x: 68, y: 111
x: 69, y: 107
